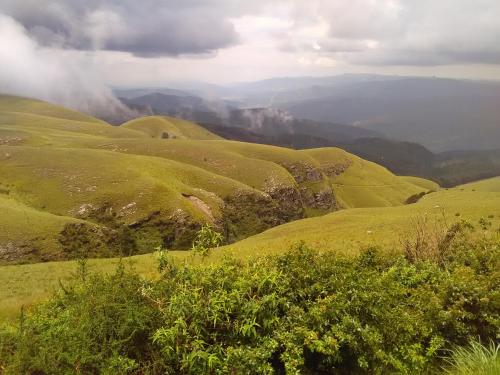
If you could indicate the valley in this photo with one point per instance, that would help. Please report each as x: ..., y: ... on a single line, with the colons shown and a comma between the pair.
x: 68, y: 179
x: 73, y: 185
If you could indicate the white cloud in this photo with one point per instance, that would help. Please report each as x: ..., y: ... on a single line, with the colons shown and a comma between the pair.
x: 399, y: 32
x: 57, y: 76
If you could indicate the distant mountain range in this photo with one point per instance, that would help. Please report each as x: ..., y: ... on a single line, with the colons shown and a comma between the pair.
x: 410, y: 125
x: 441, y: 114
x: 404, y: 158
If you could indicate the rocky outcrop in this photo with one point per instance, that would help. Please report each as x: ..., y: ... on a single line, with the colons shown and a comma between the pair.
x: 332, y: 170
x: 321, y: 200
x: 11, y: 252
x: 303, y: 172
x: 87, y: 240
x: 308, y: 177
x: 173, y: 231
x: 245, y: 214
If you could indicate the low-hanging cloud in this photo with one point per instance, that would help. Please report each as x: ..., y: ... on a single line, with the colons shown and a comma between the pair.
x: 32, y: 71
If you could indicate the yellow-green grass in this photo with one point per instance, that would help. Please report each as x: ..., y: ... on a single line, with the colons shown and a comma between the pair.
x: 53, y: 129
x: 258, y: 166
x: 213, y: 156
x: 26, y: 225
x: 9, y: 103
x: 427, y: 185
x: 169, y: 127
x: 488, y: 185
x: 363, y: 183
x: 352, y: 229
x: 61, y: 181
x: 345, y: 231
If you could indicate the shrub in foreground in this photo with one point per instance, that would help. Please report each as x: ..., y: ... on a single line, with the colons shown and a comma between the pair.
x: 300, y: 312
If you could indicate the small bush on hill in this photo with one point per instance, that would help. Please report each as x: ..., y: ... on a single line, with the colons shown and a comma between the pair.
x: 206, y: 239
x: 301, y: 312
x: 416, y: 197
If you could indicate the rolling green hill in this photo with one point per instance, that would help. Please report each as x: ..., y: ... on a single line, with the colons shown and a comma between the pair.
x: 164, y: 127
x: 352, y: 229
x: 16, y: 104
x: 345, y: 231
x: 127, y: 189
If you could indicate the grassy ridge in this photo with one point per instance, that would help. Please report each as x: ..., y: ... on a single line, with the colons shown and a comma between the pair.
x: 362, y: 183
x: 164, y: 127
x: 10, y: 103
x: 27, y: 223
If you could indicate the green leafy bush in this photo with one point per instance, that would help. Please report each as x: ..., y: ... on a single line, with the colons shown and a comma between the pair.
x: 206, y: 239
x: 301, y: 312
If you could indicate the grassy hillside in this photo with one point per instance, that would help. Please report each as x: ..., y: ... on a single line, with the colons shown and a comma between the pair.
x: 133, y: 187
x: 164, y: 127
x: 422, y: 182
x: 10, y: 103
x: 23, y: 229
x: 360, y: 183
x: 491, y: 185
x: 351, y: 229
x: 345, y: 231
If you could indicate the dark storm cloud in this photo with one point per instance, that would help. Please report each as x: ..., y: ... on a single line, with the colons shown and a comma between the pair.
x: 147, y: 28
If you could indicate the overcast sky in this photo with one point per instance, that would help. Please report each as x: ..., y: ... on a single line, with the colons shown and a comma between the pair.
x: 152, y: 42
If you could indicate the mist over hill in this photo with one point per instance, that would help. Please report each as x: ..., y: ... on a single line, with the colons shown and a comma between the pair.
x: 441, y: 114
x: 268, y: 121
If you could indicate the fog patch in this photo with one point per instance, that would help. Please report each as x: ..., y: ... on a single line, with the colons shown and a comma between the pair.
x: 53, y: 75
x: 261, y: 118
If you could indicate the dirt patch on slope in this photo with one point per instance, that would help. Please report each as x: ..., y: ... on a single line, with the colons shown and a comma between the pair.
x: 202, y: 206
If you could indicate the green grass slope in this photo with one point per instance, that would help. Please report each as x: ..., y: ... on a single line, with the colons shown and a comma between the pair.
x: 422, y: 182
x: 352, y: 229
x: 22, y: 229
x: 45, y: 130
x: 321, y: 174
x: 9, y: 103
x: 360, y: 183
x: 164, y: 127
x: 489, y: 185
x: 161, y: 199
